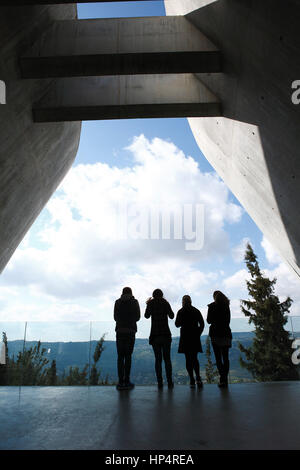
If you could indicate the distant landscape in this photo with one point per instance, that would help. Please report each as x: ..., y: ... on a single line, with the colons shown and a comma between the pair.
x: 77, y: 354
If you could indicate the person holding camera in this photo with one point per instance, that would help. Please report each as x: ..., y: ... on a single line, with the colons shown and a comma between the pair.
x: 159, y: 309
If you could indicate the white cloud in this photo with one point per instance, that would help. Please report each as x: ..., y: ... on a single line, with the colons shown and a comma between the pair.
x: 287, y: 283
x: 237, y: 280
x: 271, y: 254
x: 238, y: 252
x: 76, y: 257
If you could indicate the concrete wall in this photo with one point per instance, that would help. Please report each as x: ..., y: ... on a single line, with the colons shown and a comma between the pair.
x: 255, y: 147
x: 33, y: 157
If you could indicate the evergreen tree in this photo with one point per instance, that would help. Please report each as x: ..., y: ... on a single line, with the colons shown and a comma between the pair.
x: 94, y: 377
x: 210, y: 370
x: 51, y: 377
x: 77, y: 377
x: 30, y: 366
x: 269, y: 357
x: 28, y: 369
x: 4, y: 376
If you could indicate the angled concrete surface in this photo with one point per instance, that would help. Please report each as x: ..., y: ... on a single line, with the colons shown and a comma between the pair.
x: 182, y: 7
x: 34, y: 158
x: 120, y: 46
x: 127, y: 96
x: 246, y: 416
x: 254, y: 147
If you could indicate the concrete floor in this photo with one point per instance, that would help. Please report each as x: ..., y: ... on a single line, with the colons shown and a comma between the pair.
x: 246, y: 416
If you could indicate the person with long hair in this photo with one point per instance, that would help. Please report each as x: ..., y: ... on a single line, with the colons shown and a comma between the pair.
x: 159, y: 309
x: 191, y: 324
x: 218, y: 316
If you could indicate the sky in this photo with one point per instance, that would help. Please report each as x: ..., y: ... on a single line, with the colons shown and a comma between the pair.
x: 76, y: 258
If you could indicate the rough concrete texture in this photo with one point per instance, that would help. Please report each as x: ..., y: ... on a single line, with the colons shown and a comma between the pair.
x: 126, y: 96
x: 120, y: 46
x: 182, y: 7
x: 49, y: 2
x: 246, y: 416
x: 255, y: 146
x: 33, y: 157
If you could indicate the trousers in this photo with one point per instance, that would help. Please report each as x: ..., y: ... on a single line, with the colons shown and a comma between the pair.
x: 125, y: 344
x: 162, y: 351
x: 222, y: 359
x: 192, y: 364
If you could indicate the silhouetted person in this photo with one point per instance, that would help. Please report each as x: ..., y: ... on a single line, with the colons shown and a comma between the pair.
x: 160, y: 338
x: 218, y: 316
x: 126, y: 314
x: 191, y: 324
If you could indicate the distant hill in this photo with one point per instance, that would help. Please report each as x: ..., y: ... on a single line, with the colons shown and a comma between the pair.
x: 78, y: 353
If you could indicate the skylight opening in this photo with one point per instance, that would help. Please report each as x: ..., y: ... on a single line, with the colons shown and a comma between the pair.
x: 121, y: 9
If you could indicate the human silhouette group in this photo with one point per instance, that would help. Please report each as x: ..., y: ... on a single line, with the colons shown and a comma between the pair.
x: 191, y: 323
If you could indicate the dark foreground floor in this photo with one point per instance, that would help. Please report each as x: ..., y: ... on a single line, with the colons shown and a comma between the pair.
x: 246, y: 416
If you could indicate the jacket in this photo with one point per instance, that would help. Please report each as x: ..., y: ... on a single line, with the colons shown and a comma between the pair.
x: 218, y: 316
x: 191, y: 324
x: 159, y: 310
x: 126, y: 314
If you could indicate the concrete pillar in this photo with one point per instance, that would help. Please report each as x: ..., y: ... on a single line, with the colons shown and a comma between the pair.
x: 255, y: 146
x: 33, y: 157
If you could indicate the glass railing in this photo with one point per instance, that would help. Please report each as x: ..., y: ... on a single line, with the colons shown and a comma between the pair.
x: 84, y: 353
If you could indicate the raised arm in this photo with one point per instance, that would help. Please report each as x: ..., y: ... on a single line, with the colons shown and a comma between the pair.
x: 178, y: 321
x: 209, y: 318
x: 170, y: 311
x: 201, y: 322
x: 148, y: 311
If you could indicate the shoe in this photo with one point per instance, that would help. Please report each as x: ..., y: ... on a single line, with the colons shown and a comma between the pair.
x: 128, y: 385
x: 120, y: 386
x: 192, y: 384
x: 160, y: 385
x: 223, y: 383
x: 170, y: 385
x: 199, y: 384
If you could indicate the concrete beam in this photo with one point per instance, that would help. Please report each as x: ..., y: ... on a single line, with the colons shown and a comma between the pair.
x: 121, y: 46
x: 254, y: 147
x: 124, y: 97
